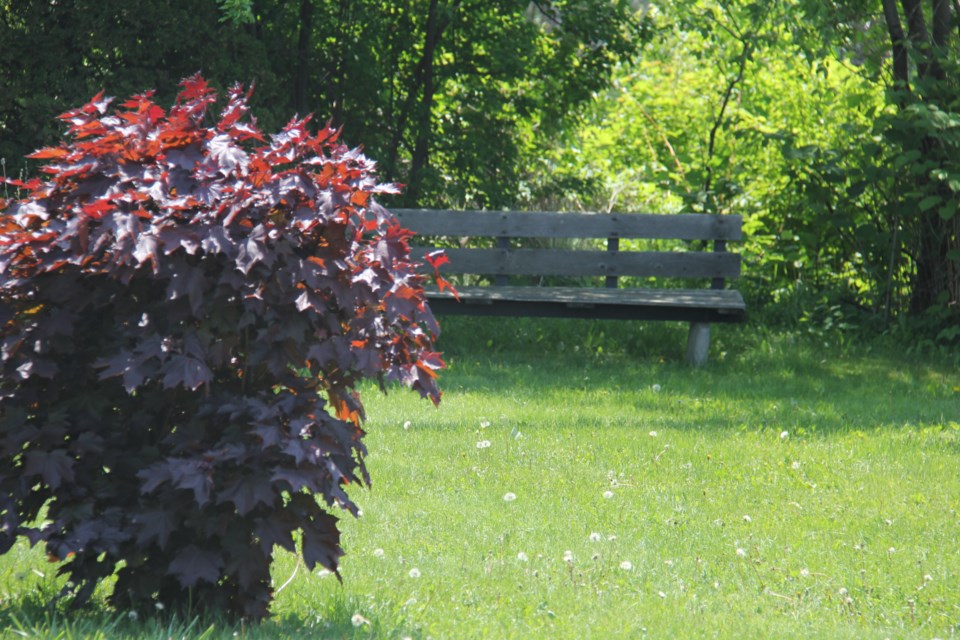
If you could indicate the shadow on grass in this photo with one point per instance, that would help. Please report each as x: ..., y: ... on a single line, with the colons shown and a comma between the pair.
x: 754, y: 378
x: 38, y: 615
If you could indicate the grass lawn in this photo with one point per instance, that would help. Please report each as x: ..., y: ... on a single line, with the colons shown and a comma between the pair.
x: 602, y: 489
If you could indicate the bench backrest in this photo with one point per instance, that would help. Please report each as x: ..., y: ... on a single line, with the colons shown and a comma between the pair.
x: 506, y: 260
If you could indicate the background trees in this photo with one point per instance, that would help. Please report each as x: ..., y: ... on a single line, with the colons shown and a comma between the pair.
x: 831, y: 125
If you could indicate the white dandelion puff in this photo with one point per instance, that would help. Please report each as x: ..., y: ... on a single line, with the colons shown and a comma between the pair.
x: 661, y: 594
x: 804, y: 573
x: 414, y: 573
x: 626, y: 565
x: 741, y: 553
x: 407, y: 424
x: 484, y: 424
x: 747, y: 518
x: 568, y: 556
x: 655, y: 388
x: 608, y: 494
x: 522, y: 557
x: 653, y: 434
x: 378, y: 553
x: 595, y: 537
x: 509, y: 496
x: 483, y: 444
x: 784, y: 435
x: 358, y: 620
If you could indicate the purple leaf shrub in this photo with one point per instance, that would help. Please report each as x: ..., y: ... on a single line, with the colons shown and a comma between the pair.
x: 186, y: 310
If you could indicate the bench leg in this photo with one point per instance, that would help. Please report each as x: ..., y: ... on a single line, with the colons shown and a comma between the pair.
x: 698, y: 343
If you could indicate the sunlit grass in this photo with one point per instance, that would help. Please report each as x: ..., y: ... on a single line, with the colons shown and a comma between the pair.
x: 786, y: 490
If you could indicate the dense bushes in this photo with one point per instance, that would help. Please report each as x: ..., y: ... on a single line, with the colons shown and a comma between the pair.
x: 186, y: 309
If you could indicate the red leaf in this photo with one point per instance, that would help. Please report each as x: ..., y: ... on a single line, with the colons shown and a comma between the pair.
x: 98, y: 208
x: 360, y: 198
x: 49, y: 153
x: 437, y: 258
x: 444, y: 285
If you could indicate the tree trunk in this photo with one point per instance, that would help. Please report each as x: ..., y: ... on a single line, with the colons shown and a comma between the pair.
x: 901, y: 73
x: 301, y: 103
x: 421, y: 150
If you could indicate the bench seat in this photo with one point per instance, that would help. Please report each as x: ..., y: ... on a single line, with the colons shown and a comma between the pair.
x: 688, y: 305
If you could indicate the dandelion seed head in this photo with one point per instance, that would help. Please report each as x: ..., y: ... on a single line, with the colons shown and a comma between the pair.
x: 608, y: 494
x: 484, y: 424
x: 927, y: 578
x: 358, y: 620
x: 655, y: 388
x: 158, y: 606
x: 784, y: 435
x: 132, y: 615
x: 378, y: 553
x: 795, y: 465
x: 804, y: 573
x: 741, y: 553
x: 483, y: 444
x: 842, y: 592
x: 522, y: 557
x: 653, y: 434
x: 595, y: 537
x: 568, y: 556
x: 661, y: 594
x: 509, y: 496
x: 892, y: 550
x: 414, y: 573
x: 407, y: 424
x: 747, y: 518
x: 626, y: 565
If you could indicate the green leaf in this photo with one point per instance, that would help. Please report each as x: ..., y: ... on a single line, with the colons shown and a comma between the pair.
x: 949, y: 210
x: 905, y: 158
x: 929, y: 202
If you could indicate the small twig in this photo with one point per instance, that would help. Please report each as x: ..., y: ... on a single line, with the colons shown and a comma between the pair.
x: 293, y: 575
x: 777, y: 595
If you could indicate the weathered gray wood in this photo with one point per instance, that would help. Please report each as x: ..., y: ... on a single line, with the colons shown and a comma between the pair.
x: 696, y: 305
x: 698, y: 343
x: 726, y: 299
x: 557, y: 262
x: 530, y: 224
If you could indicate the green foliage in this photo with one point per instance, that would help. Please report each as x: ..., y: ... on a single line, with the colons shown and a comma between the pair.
x: 439, y: 91
x: 745, y: 107
x: 186, y: 312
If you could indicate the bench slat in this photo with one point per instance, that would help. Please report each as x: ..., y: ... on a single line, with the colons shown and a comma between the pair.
x: 553, y: 262
x: 530, y: 224
x: 694, y: 305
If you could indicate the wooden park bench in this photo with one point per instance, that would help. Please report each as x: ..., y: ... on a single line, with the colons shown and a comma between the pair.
x: 529, y: 262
